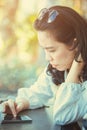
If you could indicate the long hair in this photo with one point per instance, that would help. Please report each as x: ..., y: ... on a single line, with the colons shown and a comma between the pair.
x: 67, y: 25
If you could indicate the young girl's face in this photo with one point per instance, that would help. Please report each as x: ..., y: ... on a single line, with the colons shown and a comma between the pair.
x: 58, y: 54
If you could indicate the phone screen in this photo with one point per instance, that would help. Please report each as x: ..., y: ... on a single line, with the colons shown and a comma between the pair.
x: 19, y: 119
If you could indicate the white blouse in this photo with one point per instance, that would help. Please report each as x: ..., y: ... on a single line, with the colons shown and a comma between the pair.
x: 69, y: 100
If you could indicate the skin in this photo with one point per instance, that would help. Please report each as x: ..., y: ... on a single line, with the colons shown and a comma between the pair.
x: 57, y: 53
x: 14, y: 107
x: 61, y: 58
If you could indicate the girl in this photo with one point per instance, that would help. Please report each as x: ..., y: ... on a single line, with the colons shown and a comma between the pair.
x: 62, y: 33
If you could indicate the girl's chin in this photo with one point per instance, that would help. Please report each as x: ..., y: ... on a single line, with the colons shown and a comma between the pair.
x: 61, y: 68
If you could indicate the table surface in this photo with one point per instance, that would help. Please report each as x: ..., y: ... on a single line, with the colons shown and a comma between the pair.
x: 41, y: 120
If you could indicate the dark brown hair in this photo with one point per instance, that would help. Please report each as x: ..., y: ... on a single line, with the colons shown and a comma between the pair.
x: 67, y: 25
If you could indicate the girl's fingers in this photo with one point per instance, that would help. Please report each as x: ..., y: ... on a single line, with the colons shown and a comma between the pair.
x: 4, y: 105
x: 19, y: 107
x: 10, y: 107
x: 14, y: 107
x: 22, y: 104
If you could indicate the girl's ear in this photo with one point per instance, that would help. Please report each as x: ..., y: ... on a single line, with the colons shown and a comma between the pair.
x: 75, y: 44
x: 75, y: 39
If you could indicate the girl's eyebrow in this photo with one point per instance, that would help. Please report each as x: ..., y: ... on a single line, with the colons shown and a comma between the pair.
x: 47, y: 47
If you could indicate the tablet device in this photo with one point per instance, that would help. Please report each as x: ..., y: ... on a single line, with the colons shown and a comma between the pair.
x: 19, y: 119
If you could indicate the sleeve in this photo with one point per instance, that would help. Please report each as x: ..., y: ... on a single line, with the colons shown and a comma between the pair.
x: 70, y: 104
x: 39, y: 93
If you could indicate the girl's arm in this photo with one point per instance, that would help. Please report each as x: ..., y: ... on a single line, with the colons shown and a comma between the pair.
x: 69, y: 104
x: 31, y: 97
x: 74, y: 72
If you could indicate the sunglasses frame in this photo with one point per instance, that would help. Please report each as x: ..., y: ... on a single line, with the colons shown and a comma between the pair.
x: 52, y: 14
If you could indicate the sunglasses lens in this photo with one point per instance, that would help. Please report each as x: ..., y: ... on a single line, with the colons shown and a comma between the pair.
x: 52, y: 16
x: 42, y: 13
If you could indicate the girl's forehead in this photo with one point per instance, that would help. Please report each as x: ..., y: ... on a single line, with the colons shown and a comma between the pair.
x: 45, y: 33
x: 46, y: 36
x: 46, y: 40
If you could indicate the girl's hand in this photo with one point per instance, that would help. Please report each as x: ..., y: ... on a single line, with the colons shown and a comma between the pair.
x: 75, y: 71
x: 14, y: 107
x: 9, y: 107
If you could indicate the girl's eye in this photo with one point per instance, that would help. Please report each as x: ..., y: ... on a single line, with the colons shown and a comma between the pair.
x: 51, y: 50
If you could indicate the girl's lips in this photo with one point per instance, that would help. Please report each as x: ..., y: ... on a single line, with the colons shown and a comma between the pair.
x: 54, y: 65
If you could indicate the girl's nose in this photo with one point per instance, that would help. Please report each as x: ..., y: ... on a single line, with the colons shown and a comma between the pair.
x: 48, y: 57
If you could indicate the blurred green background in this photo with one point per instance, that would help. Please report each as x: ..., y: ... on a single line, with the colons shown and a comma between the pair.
x: 21, y: 59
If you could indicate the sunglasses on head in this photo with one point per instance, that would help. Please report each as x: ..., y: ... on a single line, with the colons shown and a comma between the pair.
x: 52, y: 14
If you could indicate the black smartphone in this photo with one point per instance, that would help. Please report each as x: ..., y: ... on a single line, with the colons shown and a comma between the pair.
x: 19, y: 119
